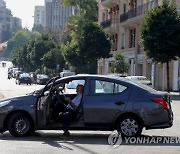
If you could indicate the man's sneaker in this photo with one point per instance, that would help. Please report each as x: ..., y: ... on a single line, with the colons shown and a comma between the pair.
x: 66, y: 134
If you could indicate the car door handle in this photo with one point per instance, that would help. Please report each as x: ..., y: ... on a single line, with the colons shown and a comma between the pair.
x: 119, y: 103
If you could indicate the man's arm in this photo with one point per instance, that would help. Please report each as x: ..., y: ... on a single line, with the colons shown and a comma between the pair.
x: 71, y: 103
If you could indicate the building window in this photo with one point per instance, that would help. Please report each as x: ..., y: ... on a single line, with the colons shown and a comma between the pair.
x: 133, y: 4
x: 124, y: 8
x: 114, y: 40
x: 103, y: 17
x: 123, y: 41
x: 132, y: 38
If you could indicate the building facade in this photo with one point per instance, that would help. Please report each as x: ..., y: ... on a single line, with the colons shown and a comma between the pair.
x: 56, y: 14
x: 121, y: 20
x: 39, y: 16
x: 5, y: 18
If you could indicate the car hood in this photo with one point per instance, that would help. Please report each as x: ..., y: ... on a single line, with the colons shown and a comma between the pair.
x: 20, y: 100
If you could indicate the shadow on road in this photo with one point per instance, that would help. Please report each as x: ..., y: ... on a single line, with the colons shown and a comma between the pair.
x: 77, y: 139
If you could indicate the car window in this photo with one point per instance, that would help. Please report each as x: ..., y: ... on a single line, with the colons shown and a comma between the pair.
x: 119, y: 88
x: 105, y: 87
x: 70, y: 87
x: 73, y: 84
x: 101, y: 87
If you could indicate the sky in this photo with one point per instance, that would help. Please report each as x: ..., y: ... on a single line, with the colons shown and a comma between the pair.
x: 24, y: 9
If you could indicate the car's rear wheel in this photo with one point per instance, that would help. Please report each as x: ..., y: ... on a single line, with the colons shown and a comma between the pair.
x: 130, y: 126
x: 19, y: 125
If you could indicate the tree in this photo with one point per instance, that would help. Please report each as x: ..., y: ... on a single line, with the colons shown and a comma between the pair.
x: 20, y: 38
x: 86, y: 8
x: 39, y: 47
x: 87, y: 42
x: 120, y: 66
x: 16, y: 25
x: 160, y: 35
x: 59, y: 35
x: 53, y: 58
x: 86, y: 11
x: 86, y: 47
x: 38, y: 28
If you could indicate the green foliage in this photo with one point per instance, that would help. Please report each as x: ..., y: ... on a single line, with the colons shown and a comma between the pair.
x: 39, y: 47
x: 86, y: 47
x: 87, y: 42
x: 86, y: 11
x: 160, y: 33
x: 52, y: 58
x: 92, y: 42
x: 20, y: 38
x: 59, y: 35
x: 120, y: 66
x: 38, y: 28
x: 38, y: 53
x: 86, y: 8
x: 16, y: 25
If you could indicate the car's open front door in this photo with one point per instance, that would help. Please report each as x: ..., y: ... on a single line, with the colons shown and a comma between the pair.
x: 43, y: 105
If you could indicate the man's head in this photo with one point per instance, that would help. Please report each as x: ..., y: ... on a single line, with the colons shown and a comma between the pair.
x: 79, y: 88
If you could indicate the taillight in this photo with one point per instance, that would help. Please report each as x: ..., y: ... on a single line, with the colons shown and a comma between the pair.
x: 160, y: 101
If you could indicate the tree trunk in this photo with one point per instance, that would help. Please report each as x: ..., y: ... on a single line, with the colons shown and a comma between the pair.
x: 168, y: 87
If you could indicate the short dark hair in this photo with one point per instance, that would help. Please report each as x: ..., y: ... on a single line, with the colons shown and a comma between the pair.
x: 80, y: 85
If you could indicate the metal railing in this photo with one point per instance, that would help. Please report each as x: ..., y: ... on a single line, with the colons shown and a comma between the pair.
x: 139, y: 10
x: 110, y: 23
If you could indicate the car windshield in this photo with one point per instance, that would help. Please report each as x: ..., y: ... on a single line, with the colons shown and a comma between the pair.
x: 44, y: 76
x: 24, y: 75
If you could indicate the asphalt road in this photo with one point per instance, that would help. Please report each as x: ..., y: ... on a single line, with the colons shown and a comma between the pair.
x: 91, y: 142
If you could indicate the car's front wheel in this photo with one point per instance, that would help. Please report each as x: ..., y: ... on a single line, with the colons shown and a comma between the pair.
x: 19, y: 125
x: 130, y: 126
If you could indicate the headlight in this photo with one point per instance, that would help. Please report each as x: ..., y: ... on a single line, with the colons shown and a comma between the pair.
x: 4, y: 103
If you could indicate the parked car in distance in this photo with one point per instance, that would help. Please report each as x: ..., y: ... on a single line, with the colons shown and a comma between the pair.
x: 42, y: 79
x: 140, y: 79
x: 23, y: 78
x: 66, y: 73
x: 122, y: 105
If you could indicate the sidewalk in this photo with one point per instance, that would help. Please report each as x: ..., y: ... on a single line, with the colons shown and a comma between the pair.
x: 175, y: 95
x: 1, y: 96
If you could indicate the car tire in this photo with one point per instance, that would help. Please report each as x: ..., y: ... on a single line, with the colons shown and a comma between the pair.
x: 130, y: 126
x: 19, y: 125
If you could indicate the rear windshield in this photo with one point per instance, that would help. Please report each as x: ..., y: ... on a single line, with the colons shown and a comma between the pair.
x: 145, y: 87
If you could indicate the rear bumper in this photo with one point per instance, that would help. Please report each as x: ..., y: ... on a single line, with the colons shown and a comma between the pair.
x: 163, y: 120
x: 160, y: 125
x: 25, y: 81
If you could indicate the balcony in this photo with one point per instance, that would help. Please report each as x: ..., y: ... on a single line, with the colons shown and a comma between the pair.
x: 138, y: 11
x: 109, y: 3
x: 111, y: 25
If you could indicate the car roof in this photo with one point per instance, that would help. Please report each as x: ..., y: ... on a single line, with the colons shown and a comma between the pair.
x: 80, y: 76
